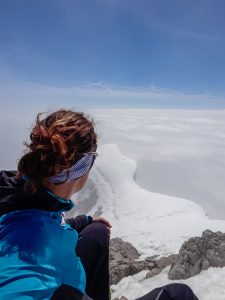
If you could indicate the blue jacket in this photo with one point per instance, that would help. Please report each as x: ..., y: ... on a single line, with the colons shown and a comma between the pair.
x: 37, y: 253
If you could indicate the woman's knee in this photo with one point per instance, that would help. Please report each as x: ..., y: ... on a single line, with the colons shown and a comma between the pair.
x: 180, y: 291
x: 97, y: 232
x: 178, y: 286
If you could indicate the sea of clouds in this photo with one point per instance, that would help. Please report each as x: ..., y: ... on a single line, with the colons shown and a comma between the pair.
x: 177, y: 152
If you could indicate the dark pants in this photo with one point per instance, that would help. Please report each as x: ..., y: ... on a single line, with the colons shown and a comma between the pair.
x: 93, y: 250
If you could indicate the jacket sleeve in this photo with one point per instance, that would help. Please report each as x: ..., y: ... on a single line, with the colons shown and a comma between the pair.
x: 79, y: 223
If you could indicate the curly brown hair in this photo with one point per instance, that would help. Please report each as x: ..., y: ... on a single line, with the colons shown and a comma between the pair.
x: 57, y: 142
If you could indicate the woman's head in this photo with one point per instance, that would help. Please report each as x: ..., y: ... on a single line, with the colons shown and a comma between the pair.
x: 58, y: 141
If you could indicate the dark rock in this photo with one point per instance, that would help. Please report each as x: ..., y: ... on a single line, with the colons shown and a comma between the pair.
x: 122, y: 257
x: 120, y: 250
x: 199, y: 253
x: 159, y: 264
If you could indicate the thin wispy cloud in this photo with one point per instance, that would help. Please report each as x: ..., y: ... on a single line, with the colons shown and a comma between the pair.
x: 100, y: 94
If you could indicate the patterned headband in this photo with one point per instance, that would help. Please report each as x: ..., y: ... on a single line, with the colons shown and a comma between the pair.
x: 79, y: 169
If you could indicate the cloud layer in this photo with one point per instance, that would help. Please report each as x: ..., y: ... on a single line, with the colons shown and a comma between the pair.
x: 178, y: 152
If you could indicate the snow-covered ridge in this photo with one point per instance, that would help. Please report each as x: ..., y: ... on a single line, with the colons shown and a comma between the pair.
x: 152, y: 222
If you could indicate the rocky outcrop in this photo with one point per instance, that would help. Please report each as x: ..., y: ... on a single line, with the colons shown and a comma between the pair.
x: 123, y: 261
x: 199, y: 253
x: 195, y: 255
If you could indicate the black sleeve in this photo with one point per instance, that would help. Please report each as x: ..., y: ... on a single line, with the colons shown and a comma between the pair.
x: 79, y: 222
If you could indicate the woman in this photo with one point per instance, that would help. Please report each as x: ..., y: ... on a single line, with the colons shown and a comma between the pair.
x: 37, y: 254
x: 41, y: 255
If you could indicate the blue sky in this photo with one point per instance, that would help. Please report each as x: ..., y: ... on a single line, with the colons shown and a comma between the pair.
x: 161, y: 53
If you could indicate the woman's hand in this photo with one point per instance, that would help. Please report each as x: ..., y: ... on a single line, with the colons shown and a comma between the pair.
x: 102, y: 220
